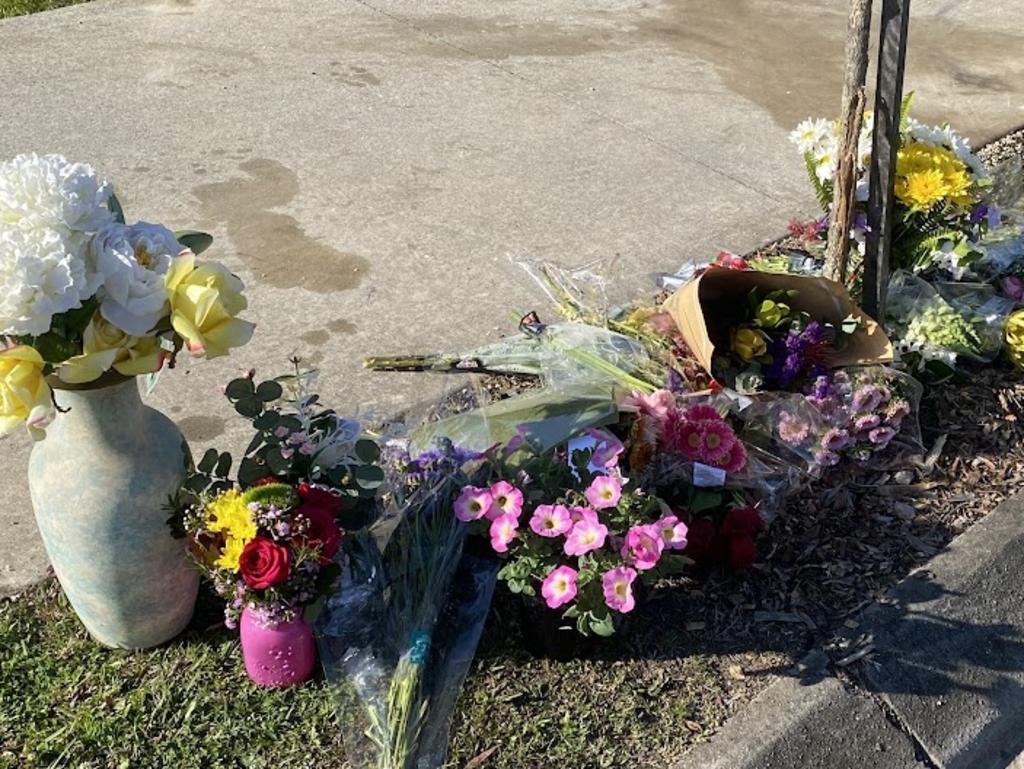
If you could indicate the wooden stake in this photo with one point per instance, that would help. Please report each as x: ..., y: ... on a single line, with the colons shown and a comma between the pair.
x: 892, y: 57
x: 845, y: 182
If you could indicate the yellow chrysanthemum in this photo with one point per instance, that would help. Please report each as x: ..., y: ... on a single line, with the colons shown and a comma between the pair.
x: 1015, y: 338
x: 229, y: 514
x: 230, y: 554
x: 928, y: 174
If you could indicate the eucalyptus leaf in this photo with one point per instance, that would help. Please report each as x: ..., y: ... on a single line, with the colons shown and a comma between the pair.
x: 223, y: 465
x: 250, y: 471
x: 240, y: 388
x: 268, y: 420
x: 195, y: 241
x: 367, y: 451
x: 368, y: 476
x: 277, y: 463
x: 208, y: 462
x: 269, y: 391
x: 249, y: 407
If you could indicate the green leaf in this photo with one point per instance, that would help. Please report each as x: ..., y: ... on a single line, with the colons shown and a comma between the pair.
x: 269, y: 391
x: 250, y: 471
x: 368, y: 476
x: 195, y: 241
x: 249, y: 407
x: 268, y: 420
x: 115, y: 208
x: 602, y: 626
x: 223, y: 465
x: 367, y: 451
x: 277, y: 463
x: 705, y: 500
x: 208, y: 462
x: 240, y: 388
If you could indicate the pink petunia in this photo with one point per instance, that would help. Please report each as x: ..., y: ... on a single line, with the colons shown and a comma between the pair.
x: 643, y: 546
x: 606, y: 452
x: 503, y: 531
x: 673, y: 532
x: 603, y: 492
x: 473, y: 503
x: 506, y: 500
x: 617, y: 584
x: 551, y: 520
x: 559, y: 587
x: 586, y: 535
x: 583, y: 514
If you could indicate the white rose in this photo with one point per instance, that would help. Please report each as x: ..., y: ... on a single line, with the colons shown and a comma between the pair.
x: 50, y: 191
x: 130, y: 262
x: 40, y: 276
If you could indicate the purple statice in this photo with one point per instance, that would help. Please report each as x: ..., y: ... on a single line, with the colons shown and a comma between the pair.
x: 796, y: 354
x: 430, y: 466
x: 979, y: 213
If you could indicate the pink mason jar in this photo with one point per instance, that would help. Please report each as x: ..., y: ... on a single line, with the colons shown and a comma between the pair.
x: 277, y: 655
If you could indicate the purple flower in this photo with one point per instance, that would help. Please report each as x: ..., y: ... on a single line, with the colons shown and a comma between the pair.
x: 867, y: 398
x: 826, y: 458
x: 881, y: 436
x: 866, y: 422
x: 835, y: 439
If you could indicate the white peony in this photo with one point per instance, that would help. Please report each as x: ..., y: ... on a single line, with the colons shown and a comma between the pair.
x: 50, y: 191
x: 49, y: 208
x: 130, y: 262
x: 39, y: 277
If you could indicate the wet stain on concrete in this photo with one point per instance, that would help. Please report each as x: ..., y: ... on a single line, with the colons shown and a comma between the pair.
x: 786, y: 57
x: 201, y: 429
x: 341, y: 326
x: 359, y: 77
x: 273, y: 245
x: 317, y: 336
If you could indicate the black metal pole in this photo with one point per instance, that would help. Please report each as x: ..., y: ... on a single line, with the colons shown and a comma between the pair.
x: 892, y: 56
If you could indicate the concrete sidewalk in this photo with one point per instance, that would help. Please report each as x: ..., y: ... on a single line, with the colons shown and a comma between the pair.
x: 369, y: 167
x: 940, y: 683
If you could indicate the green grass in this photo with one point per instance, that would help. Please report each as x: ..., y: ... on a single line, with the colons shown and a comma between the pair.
x: 10, y: 8
x: 637, y: 700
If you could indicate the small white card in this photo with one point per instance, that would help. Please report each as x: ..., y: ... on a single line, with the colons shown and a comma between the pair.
x: 705, y: 476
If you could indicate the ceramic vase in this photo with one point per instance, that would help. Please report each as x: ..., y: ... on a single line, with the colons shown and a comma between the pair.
x: 100, y: 482
x: 277, y: 655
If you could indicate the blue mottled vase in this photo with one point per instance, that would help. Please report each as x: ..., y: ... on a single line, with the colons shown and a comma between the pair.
x: 100, y: 481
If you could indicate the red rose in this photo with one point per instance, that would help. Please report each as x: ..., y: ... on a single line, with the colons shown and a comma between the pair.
x: 316, y: 496
x: 323, y: 532
x: 742, y: 553
x: 264, y: 563
x: 266, y: 480
x: 741, y: 522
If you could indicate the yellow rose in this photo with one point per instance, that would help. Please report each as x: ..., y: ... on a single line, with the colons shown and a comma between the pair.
x: 205, y: 301
x: 105, y: 346
x: 24, y: 394
x: 1015, y: 338
x: 749, y: 343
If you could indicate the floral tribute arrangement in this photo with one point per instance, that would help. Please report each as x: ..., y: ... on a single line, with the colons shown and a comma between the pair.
x: 267, y: 540
x: 575, y: 531
x: 87, y: 298
x: 776, y: 347
x: 941, y: 214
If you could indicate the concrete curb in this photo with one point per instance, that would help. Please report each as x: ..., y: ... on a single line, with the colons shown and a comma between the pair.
x: 940, y: 683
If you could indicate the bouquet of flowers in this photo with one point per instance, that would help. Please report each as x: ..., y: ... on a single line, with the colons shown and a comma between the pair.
x: 267, y: 540
x: 941, y: 214
x: 575, y: 531
x: 856, y: 413
x: 87, y: 298
x: 776, y: 347
x: 398, y: 637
